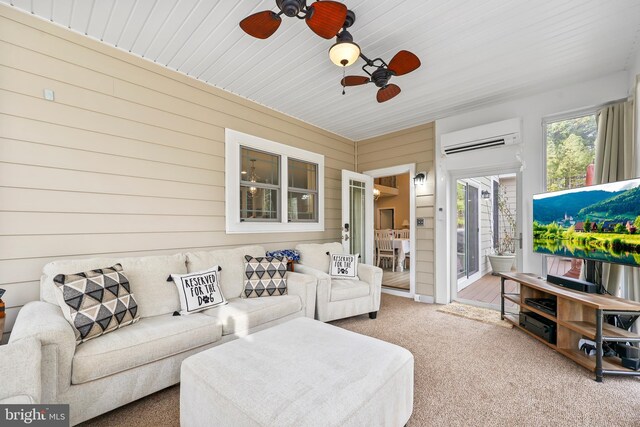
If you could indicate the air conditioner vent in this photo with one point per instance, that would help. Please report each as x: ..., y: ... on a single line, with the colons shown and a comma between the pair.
x: 492, y: 135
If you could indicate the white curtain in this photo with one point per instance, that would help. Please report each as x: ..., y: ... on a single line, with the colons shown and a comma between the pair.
x: 615, y: 161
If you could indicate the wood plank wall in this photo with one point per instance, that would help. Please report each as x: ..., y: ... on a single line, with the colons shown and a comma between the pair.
x: 128, y: 160
x: 415, y: 145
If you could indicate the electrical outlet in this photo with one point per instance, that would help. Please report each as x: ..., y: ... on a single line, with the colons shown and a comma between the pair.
x: 49, y: 95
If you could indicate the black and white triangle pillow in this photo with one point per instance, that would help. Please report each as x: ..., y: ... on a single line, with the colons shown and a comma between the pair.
x: 344, y: 266
x: 199, y: 290
x: 264, y: 276
x: 96, y: 302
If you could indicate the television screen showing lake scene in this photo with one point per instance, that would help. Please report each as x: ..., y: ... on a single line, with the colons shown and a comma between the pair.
x: 600, y: 223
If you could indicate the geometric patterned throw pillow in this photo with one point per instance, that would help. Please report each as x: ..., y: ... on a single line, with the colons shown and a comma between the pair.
x: 96, y: 302
x: 264, y: 276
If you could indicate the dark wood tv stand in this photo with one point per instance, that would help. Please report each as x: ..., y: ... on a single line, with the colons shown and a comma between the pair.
x: 579, y: 315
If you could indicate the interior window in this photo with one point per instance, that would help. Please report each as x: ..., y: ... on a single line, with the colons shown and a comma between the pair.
x: 259, y: 185
x: 302, y: 191
x: 271, y: 187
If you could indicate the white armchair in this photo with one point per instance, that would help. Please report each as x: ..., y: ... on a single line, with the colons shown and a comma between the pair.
x: 337, y: 299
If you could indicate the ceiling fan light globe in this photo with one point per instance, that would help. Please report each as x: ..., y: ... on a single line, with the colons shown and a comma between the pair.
x: 344, y: 54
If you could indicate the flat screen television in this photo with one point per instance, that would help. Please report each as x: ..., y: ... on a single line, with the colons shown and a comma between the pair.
x: 598, y: 223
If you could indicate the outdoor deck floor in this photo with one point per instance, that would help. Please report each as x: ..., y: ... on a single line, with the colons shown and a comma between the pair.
x: 487, y: 288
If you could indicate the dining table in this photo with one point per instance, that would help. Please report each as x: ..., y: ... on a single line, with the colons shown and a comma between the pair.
x: 402, y: 248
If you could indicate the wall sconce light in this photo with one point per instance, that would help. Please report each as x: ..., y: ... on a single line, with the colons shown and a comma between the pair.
x: 485, y: 194
x: 376, y: 194
x: 420, y: 178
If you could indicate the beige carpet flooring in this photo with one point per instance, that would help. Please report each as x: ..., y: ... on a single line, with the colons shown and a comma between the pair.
x: 467, y: 373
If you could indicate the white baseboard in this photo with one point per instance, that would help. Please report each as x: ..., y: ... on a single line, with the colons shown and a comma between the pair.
x: 423, y: 298
x: 397, y: 292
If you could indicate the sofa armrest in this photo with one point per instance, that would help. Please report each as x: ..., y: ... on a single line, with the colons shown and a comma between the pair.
x: 373, y: 276
x: 370, y: 274
x: 20, y: 371
x: 303, y: 285
x: 46, y: 323
x: 324, y: 282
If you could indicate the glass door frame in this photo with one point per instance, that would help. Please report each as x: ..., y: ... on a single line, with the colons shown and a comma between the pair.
x: 453, y: 178
x: 466, y: 280
x: 347, y: 177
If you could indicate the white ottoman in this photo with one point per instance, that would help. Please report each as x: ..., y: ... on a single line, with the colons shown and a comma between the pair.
x: 300, y: 373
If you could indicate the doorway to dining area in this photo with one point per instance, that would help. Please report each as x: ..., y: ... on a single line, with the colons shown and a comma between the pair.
x: 392, y: 219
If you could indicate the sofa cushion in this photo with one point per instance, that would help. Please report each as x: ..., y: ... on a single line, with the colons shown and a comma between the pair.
x: 199, y: 290
x: 149, y: 340
x: 96, y: 302
x: 147, y: 277
x: 264, y: 276
x: 242, y: 314
x: 348, y: 289
x: 232, y: 263
x: 315, y: 255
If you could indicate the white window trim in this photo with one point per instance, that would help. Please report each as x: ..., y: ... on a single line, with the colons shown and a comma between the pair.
x: 233, y: 141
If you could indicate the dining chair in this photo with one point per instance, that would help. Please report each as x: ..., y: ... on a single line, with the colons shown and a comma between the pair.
x: 402, y: 234
x: 386, y: 250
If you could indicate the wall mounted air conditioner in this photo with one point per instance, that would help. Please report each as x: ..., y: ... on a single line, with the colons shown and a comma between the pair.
x: 498, y: 134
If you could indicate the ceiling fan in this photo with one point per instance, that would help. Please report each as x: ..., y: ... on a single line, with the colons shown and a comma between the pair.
x: 325, y: 18
x: 402, y: 63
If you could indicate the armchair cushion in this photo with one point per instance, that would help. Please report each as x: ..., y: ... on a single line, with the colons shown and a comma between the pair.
x: 348, y: 289
x: 315, y: 255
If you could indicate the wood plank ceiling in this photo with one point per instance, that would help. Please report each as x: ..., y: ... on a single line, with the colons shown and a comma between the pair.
x: 473, y: 52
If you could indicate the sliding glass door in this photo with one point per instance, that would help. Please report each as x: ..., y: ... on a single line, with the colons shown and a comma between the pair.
x: 467, y: 232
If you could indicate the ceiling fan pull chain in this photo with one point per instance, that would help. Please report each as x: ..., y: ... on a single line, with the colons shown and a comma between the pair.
x: 343, y: 82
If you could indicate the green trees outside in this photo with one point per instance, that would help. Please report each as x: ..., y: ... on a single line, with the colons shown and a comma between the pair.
x: 570, y: 149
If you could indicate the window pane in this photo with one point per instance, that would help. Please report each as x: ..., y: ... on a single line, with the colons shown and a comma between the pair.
x: 258, y: 204
x: 302, y: 206
x: 570, y: 152
x: 303, y: 175
x: 260, y: 167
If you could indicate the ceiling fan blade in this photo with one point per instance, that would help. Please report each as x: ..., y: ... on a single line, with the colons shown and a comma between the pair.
x: 354, y: 80
x: 261, y: 25
x: 404, y: 62
x: 386, y: 93
x: 326, y: 18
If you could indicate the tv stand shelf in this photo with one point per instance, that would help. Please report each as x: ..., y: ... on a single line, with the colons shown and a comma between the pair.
x: 578, y: 315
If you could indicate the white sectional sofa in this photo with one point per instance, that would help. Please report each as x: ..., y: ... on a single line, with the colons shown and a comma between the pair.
x: 20, y: 372
x: 124, y: 365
